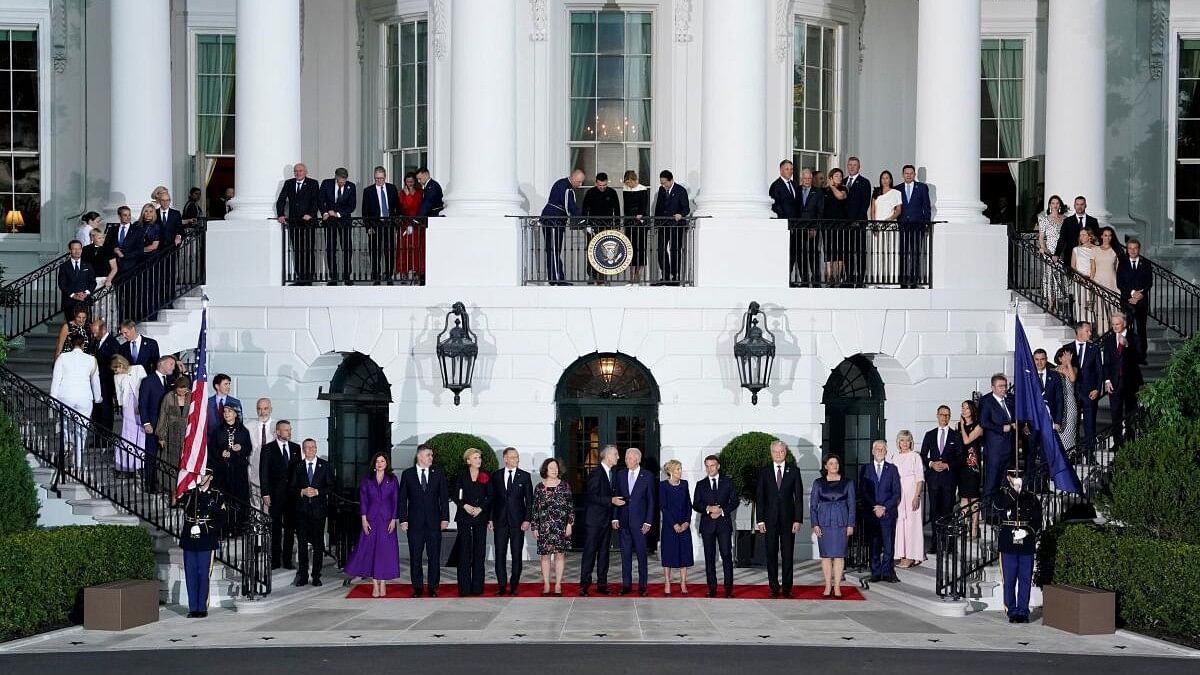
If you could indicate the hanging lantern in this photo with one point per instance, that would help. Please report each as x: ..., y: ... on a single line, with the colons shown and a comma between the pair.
x: 457, y: 349
x: 755, y: 352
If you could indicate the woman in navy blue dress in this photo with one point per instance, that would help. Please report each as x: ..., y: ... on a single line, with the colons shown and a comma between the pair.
x: 831, y: 512
x: 675, y: 548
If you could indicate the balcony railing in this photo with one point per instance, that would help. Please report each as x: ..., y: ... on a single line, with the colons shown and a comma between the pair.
x: 860, y: 254
x: 355, y: 252
x: 561, y: 251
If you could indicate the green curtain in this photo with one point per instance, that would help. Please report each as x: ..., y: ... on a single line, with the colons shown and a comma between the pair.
x: 583, y: 88
x: 214, y: 90
x: 1003, y: 74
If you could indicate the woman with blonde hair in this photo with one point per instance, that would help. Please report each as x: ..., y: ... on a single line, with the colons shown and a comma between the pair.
x: 910, y: 537
x: 472, y: 494
x: 675, y: 540
x: 127, y: 381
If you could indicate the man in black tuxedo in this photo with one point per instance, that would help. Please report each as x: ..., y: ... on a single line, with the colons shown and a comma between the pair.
x: 170, y: 228
x: 431, y: 195
x: 1086, y: 358
x: 310, y: 486
x: 780, y: 501
x: 1052, y: 394
x: 716, y: 500
x: 104, y: 347
x: 858, y: 207
x: 1122, y: 376
x: 126, y: 242
x: 424, y: 512
x: 138, y: 349
x: 672, y: 203
x: 783, y: 192
x: 600, y: 500
x: 380, y: 209
x: 297, y: 209
x: 806, y: 254
x: 941, y: 452
x: 276, y: 462
x: 151, y: 392
x: 512, y: 502
x: 1135, y: 276
x: 337, y: 201
x: 76, y: 280
x: 1068, y: 239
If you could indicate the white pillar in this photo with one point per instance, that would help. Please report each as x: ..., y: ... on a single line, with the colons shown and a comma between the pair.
x: 733, y: 110
x: 483, y: 109
x: 948, y: 68
x: 140, y: 100
x: 1076, y: 82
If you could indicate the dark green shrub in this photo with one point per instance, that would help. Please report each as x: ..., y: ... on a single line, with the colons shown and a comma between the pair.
x: 43, y: 572
x: 1174, y: 396
x: 744, y: 456
x: 18, y: 493
x: 448, y: 449
x: 1155, y: 486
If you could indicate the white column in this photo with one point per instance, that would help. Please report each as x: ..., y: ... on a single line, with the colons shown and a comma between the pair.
x: 947, y: 136
x: 140, y: 100
x: 733, y: 113
x: 483, y: 109
x: 1076, y: 81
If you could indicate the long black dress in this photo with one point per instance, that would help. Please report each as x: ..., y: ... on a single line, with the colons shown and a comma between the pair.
x: 637, y: 203
x: 969, y: 474
x: 231, y: 475
x: 835, y: 240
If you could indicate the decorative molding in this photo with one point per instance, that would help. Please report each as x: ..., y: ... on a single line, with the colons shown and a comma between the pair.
x: 862, y: 43
x: 783, y: 29
x: 58, y: 35
x: 360, y: 16
x: 301, y: 2
x: 438, y: 35
x: 683, y: 20
x: 1159, y: 24
x: 537, y: 10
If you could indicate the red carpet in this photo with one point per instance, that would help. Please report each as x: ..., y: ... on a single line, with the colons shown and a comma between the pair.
x: 534, y: 590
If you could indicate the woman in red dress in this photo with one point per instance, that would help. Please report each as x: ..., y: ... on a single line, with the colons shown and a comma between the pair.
x: 410, y: 247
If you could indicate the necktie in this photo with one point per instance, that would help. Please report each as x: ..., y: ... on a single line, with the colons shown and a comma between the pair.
x: 878, y: 471
x: 164, y: 215
x: 163, y: 379
x: 1005, y: 406
x: 851, y: 183
x: 791, y: 189
x: 424, y: 482
x: 941, y: 441
x: 1135, y: 265
x: 383, y: 205
x: 76, y: 262
x: 1120, y: 343
x: 263, y: 440
x: 310, y: 472
x: 632, y: 477
x: 908, y: 191
x: 1043, y: 376
x: 714, y: 485
x: 221, y: 404
x: 298, y: 186
x: 121, y: 235
x: 133, y: 351
x: 778, y: 477
x: 283, y: 449
x: 508, y: 483
x: 337, y: 196
x: 1079, y: 347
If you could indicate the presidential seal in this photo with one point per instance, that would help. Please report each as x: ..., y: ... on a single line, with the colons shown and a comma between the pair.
x: 610, y: 252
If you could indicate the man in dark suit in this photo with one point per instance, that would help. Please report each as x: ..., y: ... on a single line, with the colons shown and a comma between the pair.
x: 916, y: 212
x: 431, y: 195
x: 276, y: 462
x: 297, y: 209
x: 633, y: 519
x: 310, y: 485
x: 561, y: 207
x: 1086, y: 358
x: 153, y: 389
x: 512, y: 502
x: 1135, y: 276
x: 219, y: 399
x: 671, y: 206
x: 879, y: 495
x: 1068, y: 239
x: 76, y: 280
x: 126, y: 242
x: 1122, y: 376
x: 138, y: 349
x: 806, y: 253
x: 716, y: 500
x: 1052, y: 394
x: 779, y: 496
x: 105, y: 347
x: 996, y: 416
x: 599, y: 501
x: 941, y: 452
x: 380, y: 209
x: 783, y: 192
x: 170, y: 235
x: 858, y: 207
x: 337, y: 200
x: 424, y: 512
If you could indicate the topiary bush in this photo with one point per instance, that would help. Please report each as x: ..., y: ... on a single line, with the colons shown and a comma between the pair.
x: 744, y: 456
x: 1155, y: 484
x: 448, y: 449
x: 43, y: 572
x: 18, y: 493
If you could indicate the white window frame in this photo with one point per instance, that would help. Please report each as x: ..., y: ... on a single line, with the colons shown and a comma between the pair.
x: 839, y: 86
x: 193, y: 47
x: 39, y: 21
x: 1028, y: 105
x: 1189, y: 31
x: 382, y: 154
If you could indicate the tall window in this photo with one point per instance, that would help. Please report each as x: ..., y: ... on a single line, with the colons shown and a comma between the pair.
x: 815, y: 75
x: 1187, y: 143
x: 406, y: 110
x: 20, y: 156
x: 214, y: 95
x: 1002, y: 118
x: 611, y: 53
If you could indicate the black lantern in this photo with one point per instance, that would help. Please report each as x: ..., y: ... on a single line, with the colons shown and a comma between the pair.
x: 456, y: 353
x: 755, y: 352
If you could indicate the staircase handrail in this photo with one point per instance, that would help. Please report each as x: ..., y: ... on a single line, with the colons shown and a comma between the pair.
x: 35, y: 296
x: 1028, y: 270
x: 1173, y: 302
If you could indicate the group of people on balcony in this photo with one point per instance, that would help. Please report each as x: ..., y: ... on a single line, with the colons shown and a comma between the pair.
x: 393, y: 223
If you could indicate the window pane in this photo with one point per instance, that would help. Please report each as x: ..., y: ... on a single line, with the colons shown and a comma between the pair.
x: 392, y: 76
x: 209, y: 133
x: 827, y: 90
x: 408, y: 126
x: 5, y: 132
x: 408, y: 85
x: 827, y: 131
x: 422, y: 41
x: 1008, y: 103
x: 583, y: 76
x: 228, y: 135
x: 637, y: 121
x: 610, y: 33
x: 637, y: 77
x: 989, y: 59
x: 812, y: 129
x: 1189, y: 58
x: 798, y: 91
x: 1010, y: 138
x: 5, y: 81
x: 6, y: 173
x: 583, y: 120
x: 610, y: 120
x: 1012, y: 59
x: 209, y: 95
x: 422, y: 126
x: 28, y: 174
x: 5, y: 61
x: 1188, y: 105
x: 1187, y: 220
x: 391, y: 128
x: 25, y: 132
x: 988, y: 139
x: 393, y: 46
x: 584, y: 159
x: 583, y: 32
x: 812, y: 48
x: 1187, y: 181
x: 422, y: 84
x: 797, y: 127
x: 610, y: 158
x: 812, y: 83
x: 644, y: 166
x: 638, y: 33
x: 827, y: 56
x: 610, y: 75
x: 408, y: 43
x: 1188, y: 145
x: 24, y: 49
x: 988, y: 90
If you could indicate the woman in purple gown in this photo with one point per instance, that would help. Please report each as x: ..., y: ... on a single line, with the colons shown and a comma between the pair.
x: 377, y: 555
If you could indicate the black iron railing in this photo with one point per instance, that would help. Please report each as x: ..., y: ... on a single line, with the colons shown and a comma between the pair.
x: 156, y: 282
x: 355, y: 252
x: 67, y: 440
x: 344, y: 525
x: 860, y: 254
x: 555, y: 251
x: 1173, y: 301
x: 1058, y: 290
x: 35, y: 299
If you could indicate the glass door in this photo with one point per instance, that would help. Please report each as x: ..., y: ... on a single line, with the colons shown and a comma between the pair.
x: 356, y: 431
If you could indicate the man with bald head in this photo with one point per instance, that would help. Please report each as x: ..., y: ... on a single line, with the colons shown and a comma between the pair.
x: 297, y: 210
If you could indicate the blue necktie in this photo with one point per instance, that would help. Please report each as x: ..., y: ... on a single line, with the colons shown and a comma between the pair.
x: 383, y: 205
x: 133, y: 350
x: 310, y: 473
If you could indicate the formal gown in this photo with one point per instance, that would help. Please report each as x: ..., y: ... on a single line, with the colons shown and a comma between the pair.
x: 675, y: 549
x: 970, y: 480
x: 834, y: 241
x: 81, y: 332
x: 231, y: 474
x: 910, y: 535
x: 553, y: 510
x: 1052, y: 283
x: 133, y: 435
x: 636, y: 202
x: 1106, y: 276
x: 410, y: 248
x: 1084, y: 306
x: 831, y: 507
x: 172, y: 425
x: 884, y: 253
x: 377, y: 555
x: 1069, y: 431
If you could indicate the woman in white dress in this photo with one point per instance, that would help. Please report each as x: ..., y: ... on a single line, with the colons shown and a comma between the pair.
x: 885, y: 244
x: 128, y: 380
x: 1084, y: 264
x: 76, y: 382
x: 1049, y: 224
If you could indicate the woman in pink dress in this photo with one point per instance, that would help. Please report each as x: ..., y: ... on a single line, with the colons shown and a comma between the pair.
x: 910, y: 537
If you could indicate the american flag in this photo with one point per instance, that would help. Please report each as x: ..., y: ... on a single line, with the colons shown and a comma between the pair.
x: 195, y: 440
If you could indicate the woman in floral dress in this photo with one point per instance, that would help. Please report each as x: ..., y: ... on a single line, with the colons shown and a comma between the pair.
x: 553, y: 516
x: 1049, y: 225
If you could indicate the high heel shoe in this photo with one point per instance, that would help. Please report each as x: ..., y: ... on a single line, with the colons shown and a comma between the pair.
x: 826, y: 593
x: 683, y: 591
x: 837, y: 592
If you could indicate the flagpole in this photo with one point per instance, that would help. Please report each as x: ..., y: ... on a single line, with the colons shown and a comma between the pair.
x: 1016, y: 405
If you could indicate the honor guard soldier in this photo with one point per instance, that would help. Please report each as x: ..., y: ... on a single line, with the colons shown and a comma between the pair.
x: 1020, y: 515
x: 203, y: 519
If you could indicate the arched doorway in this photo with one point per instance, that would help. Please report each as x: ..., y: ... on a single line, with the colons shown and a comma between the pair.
x: 604, y: 398
x: 359, y: 398
x: 853, y: 400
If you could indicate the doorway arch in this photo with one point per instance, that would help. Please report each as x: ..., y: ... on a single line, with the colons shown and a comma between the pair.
x: 854, y: 403
x: 360, y: 399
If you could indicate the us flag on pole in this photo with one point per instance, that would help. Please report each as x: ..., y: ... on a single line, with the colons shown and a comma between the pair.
x: 195, y: 440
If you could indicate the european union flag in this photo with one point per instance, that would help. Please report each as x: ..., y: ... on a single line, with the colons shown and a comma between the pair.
x: 1032, y: 409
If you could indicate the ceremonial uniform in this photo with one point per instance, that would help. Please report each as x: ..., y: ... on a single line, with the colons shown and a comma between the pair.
x: 1020, y: 521
x: 203, y: 519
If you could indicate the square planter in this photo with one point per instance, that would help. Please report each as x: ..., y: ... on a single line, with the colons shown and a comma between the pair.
x: 119, y: 605
x: 1082, y: 610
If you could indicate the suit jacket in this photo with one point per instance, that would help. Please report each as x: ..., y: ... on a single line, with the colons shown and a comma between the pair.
x: 918, y: 209
x: 105, y: 350
x: 150, y: 396
x: 1130, y: 280
x: 275, y: 472
x: 431, y: 200
x: 858, y: 199
x: 599, y: 493
x: 296, y: 205
x: 783, y: 200
x: 997, y: 443
x: 132, y: 248
x: 812, y: 208
x: 214, y: 415
x: 464, y: 492
x: 561, y: 202
x: 1053, y: 394
x: 952, y: 455
x: 511, y: 506
x: 876, y: 490
x: 726, y: 497
x: 70, y: 281
x: 639, y: 501
x: 1091, y: 373
x: 779, y: 507
x: 423, y: 508
x: 147, y: 354
x: 322, y: 480
x: 1121, y: 368
x: 370, y: 201
x: 167, y: 228
x: 327, y: 199
x: 76, y: 378
x: 1068, y: 239
x: 670, y: 203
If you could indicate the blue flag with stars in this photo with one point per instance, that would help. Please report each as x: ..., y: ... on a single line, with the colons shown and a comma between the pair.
x: 1032, y: 409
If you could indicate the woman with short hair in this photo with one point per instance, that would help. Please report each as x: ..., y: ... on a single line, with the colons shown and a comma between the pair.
x: 553, y: 516
x: 675, y: 538
x: 172, y: 421
x: 635, y: 207
x: 910, y: 536
x: 472, y: 494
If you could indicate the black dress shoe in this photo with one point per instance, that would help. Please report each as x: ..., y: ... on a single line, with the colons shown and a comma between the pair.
x: 625, y: 591
x: 602, y: 590
x: 893, y: 579
x: 729, y: 592
x: 710, y: 594
x: 416, y: 593
x: 316, y: 582
x: 788, y: 594
x: 773, y: 594
x: 500, y: 593
x: 642, y: 592
x: 1012, y: 619
x: 300, y: 582
x: 513, y: 591
x: 433, y: 592
x: 203, y: 615
x: 196, y: 615
x: 875, y: 578
x: 583, y: 592
x: 1022, y: 619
